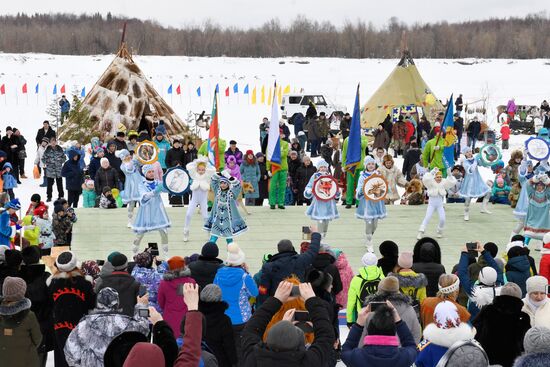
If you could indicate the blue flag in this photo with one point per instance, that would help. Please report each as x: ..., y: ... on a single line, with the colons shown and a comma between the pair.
x: 448, y: 126
x: 55, y: 89
x: 353, y: 156
x: 199, y: 91
x: 236, y: 88
x: 83, y: 92
x: 274, y: 137
x: 36, y: 88
x: 217, y: 88
x: 246, y: 89
x: 170, y: 89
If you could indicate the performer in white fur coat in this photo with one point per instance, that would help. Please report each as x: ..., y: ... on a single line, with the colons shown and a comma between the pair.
x: 201, y: 173
x: 437, y: 190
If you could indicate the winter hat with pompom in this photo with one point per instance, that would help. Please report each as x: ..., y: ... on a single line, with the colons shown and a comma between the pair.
x: 235, y: 256
x: 369, y: 259
x: 211, y: 293
x: 14, y: 289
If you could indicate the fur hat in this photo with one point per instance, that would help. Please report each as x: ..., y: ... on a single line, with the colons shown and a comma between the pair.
x: 321, y: 163
x: 90, y: 267
x: 176, y: 262
x: 31, y: 255
x: 446, y: 315
x: 210, y: 250
x: 511, y: 289
x: 488, y: 276
x: 14, y: 289
x: 66, y: 261
x: 211, y: 293
x: 369, y: 259
x: 284, y: 336
x: 389, y: 284
x: 387, y: 158
x: 118, y: 260
x: 285, y: 246
x: 235, y: 256
x: 319, y: 279
x: 537, y: 340
x: 107, y: 299
x: 536, y: 283
x: 104, y: 162
x: 389, y: 249
x: 405, y: 260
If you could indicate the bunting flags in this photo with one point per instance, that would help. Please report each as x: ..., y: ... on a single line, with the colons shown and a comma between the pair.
x: 214, y: 135
x: 170, y: 89
x: 54, y: 89
x: 263, y: 95
x: 227, y: 92
x: 246, y: 89
x: 83, y: 92
x: 236, y: 88
x: 287, y: 89
x: 63, y: 89
x: 36, y: 88
x: 270, y: 97
x: 199, y: 91
x: 178, y: 90
x: 274, y: 137
x: 24, y: 88
x: 253, y: 98
x: 353, y: 156
x: 280, y: 94
x: 3, y: 89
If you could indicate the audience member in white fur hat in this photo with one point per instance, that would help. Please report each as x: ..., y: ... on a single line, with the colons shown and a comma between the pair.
x: 362, y: 285
x: 535, y: 303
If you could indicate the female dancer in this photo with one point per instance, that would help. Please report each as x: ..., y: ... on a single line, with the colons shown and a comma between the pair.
x: 151, y: 215
x: 473, y: 186
x: 131, y: 194
x: 537, y: 221
x: 525, y: 173
x: 201, y: 173
x: 224, y: 220
x: 437, y: 190
x: 234, y: 170
x: 368, y: 210
x: 321, y: 211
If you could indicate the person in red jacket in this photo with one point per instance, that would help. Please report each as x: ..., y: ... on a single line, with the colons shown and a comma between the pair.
x: 544, y: 267
x: 505, y: 134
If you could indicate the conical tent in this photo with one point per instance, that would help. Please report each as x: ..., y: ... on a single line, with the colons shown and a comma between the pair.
x: 119, y: 100
x: 403, y: 87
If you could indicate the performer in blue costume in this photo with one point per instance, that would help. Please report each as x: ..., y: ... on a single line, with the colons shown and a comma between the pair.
x: 321, y: 211
x: 131, y: 194
x: 368, y: 210
x: 7, y: 231
x: 473, y: 186
x: 537, y: 222
x: 525, y: 173
x: 224, y: 220
x: 151, y: 215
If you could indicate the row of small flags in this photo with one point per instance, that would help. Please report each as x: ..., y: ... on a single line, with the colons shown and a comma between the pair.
x: 24, y: 89
x: 253, y: 95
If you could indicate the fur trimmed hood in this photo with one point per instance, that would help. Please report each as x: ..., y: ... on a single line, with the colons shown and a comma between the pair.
x: 447, y: 337
x: 410, y: 279
x: 66, y: 275
x: 13, y: 308
x: 175, y: 274
x: 533, y: 360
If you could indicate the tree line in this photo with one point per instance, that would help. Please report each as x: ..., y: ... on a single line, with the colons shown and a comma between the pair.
x: 70, y: 34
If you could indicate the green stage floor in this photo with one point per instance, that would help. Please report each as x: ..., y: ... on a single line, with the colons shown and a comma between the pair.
x: 99, y: 231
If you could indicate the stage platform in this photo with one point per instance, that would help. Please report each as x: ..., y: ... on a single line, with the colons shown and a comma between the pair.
x: 101, y: 231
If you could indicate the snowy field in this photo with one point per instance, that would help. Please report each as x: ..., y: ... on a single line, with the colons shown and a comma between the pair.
x: 526, y: 80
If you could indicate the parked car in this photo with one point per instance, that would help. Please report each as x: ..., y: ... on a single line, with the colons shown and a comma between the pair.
x: 294, y: 103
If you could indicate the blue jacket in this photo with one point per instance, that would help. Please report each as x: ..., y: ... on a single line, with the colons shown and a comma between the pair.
x: 93, y: 166
x: 9, y: 180
x: 430, y: 355
x: 518, y: 270
x: 5, y: 229
x: 65, y: 105
x: 163, y: 147
x: 230, y: 279
x: 74, y: 175
x: 379, y: 355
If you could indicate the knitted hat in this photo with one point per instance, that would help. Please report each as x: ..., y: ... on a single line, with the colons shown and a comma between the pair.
x: 466, y: 353
x: 90, y: 267
x: 210, y: 250
x: 321, y: 163
x: 249, y: 152
x: 368, y: 159
x: 500, y: 180
x: 259, y: 154
x: 31, y: 255
x: 405, y: 260
x: 35, y: 198
x: 446, y: 315
x: 107, y: 298
x: 45, y: 140
x: 235, y: 256
x: 537, y: 340
x: 13, y: 204
x: 488, y: 276
x: 14, y: 289
x: 511, y: 289
x: 118, y: 260
x: 284, y: 336
x: 176, y: 262
x: 160, y: 130
x: 369, y: 259
x: 285, y: 246
x: 105, y: 190
x: 211, y: 293
x: 389, y: 284
x: 132, y: 133
x: 144, y: 259
x: 536, y: 283
x: 66, y: 261
x: 104, y: 162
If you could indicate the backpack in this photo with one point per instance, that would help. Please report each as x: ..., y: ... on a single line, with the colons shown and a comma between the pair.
x: 368, y: 287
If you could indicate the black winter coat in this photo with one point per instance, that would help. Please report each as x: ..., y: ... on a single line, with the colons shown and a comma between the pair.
x: 219, y: 332
x: 93, y: 167
x: 293, y: 166
x: 115, y: 162
x: 126, y: 286
x: 264, y: 180
x: 106, y: 177
x: 13, y: 153
x: 74, y: 175
x: 120, y: 144
x: 41, y: 135
x: 427, y: 260
x: 42, y: 304
x: 174, y: 157
x: 412, y: 157
x: 190, y: 156
x: 500, y: 328
x: 163, y: 336
x: 324, y: 262
x: 303, y: 174
x: 256, y: 353
x: 204, y: 270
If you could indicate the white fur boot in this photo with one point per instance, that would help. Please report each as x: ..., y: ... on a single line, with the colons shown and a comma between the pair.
x: 484, y: 206
x: 185, y: 234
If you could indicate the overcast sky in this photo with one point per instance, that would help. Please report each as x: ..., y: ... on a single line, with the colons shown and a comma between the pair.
x: 250, y: 13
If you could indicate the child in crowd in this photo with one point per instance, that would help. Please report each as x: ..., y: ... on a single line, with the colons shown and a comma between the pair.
x: 201, y: 173
x: 31, y: 232
x: 453, y: 195
x: 500, y: 192
x: 9, y: 181
x: 414, y: 193
x: 47, y: 237
x: 505, y: 135
x: 437, y: 189
x: 36, y: 203
x: 321, y: 211
x: 88, y: 194
x: 61, y: 226
x: 107, y: 201
x: 224, y: 220
x: 70, y: 214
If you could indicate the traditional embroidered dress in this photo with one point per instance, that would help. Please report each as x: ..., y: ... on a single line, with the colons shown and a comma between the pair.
x: 537, y: 222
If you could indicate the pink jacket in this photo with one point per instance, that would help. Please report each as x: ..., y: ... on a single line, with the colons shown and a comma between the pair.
x: 172, y: 305
x: 346, y: 275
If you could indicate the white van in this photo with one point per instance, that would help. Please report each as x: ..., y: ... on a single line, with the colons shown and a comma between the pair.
x: 294, y: 103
